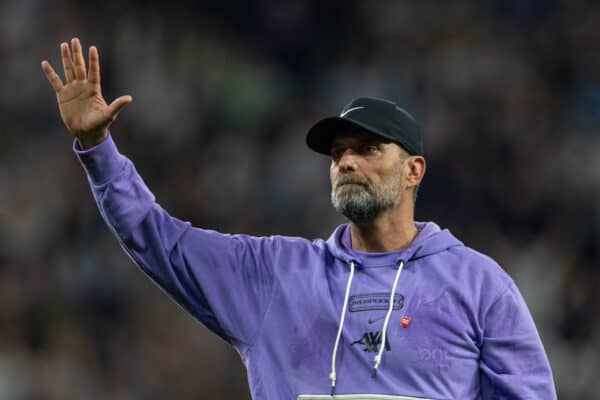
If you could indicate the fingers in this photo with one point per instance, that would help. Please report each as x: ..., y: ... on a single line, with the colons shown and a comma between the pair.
x: 94, y: 66
x: 78, y: 61
x: 116, y: 106
x: 52, y: 76
x: 67, y: 62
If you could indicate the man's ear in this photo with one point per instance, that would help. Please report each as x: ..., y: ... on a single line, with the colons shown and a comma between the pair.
x: 416, y: 170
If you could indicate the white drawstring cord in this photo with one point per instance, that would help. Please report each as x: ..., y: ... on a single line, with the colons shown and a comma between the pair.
x: 332, y: 376
x: 377, y: 359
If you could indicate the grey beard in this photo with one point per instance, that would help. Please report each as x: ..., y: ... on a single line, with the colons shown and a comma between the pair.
x: 363, y: 206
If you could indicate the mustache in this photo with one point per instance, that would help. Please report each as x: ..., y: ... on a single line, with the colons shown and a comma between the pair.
x: 352, y: 179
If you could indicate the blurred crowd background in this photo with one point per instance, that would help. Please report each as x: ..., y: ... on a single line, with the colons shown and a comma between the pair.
x: 508, y: 94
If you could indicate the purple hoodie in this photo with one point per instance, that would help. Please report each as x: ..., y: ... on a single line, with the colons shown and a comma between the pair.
x: 457, y: 327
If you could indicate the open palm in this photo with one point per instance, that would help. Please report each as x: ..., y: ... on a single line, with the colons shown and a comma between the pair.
x: 82, y: 107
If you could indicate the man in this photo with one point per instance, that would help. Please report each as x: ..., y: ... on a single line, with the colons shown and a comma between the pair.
x: 386, y: 308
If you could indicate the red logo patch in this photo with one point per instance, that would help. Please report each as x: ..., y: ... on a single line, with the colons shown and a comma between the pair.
x: 405, y: 321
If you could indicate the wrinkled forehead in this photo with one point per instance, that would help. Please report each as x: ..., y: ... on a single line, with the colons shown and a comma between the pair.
x: 354, y: 135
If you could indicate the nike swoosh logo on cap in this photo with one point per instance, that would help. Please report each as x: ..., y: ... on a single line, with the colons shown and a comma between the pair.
x: 350, y: 109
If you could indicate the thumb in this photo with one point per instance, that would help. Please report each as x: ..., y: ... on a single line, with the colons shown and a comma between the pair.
x: 115, y: 107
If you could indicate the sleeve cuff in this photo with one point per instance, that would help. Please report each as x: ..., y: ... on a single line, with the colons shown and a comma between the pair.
x: 101, y: 162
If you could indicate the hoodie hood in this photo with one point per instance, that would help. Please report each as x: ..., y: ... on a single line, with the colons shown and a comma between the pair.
x: 430, y: 240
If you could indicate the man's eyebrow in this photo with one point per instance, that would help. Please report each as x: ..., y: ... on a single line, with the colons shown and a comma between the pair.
x: 338, y: 143
x: 358, y: 141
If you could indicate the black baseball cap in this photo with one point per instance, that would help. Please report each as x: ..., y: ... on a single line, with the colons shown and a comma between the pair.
x: 378, y: 116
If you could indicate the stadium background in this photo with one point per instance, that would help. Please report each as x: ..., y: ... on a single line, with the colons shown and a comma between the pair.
x: 508, y: 93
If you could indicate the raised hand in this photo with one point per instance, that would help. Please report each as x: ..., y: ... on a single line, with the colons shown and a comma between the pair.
x: 82, y: 107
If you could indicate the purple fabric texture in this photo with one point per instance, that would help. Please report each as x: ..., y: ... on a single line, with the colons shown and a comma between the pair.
x: 278, y: 301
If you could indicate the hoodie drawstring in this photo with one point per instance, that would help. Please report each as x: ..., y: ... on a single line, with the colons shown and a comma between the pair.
x: 377, y: 359
x: 332, y: 376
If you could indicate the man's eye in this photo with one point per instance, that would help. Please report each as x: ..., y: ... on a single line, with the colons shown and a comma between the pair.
x: 336, y: 154
x: 369, y: 148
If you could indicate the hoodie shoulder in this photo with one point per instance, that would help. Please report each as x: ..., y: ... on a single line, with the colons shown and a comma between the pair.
x: 490, y: 274
x: 297, y: 241
x: 294, y: 244
x: 482, y: 261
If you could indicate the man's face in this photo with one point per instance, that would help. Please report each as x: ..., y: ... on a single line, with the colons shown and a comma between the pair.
x: 366, y: 175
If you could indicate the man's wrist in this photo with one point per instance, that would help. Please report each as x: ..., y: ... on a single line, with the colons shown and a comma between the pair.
x: 101, y: 162
x: 89, y: 142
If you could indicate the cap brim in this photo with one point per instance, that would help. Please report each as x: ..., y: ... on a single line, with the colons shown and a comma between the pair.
x: 320, y: 136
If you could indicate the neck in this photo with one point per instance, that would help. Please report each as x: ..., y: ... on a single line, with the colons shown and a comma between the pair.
x: 386, y: 233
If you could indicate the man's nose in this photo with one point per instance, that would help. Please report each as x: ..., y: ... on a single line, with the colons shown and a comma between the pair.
x: 347, y: 161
